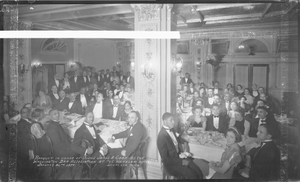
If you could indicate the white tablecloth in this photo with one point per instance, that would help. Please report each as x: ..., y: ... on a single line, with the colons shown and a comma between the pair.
x: 72, y: 122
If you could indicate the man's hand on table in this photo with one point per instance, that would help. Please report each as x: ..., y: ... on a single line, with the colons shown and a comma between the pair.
x: 104, y: 149
x: 123, y: 153
x: 89, y: 150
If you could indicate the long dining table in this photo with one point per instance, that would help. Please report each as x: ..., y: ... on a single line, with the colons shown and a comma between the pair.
x: 105, y: 128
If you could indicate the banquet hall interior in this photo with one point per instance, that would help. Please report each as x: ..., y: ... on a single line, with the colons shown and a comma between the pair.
x: 246, y: 51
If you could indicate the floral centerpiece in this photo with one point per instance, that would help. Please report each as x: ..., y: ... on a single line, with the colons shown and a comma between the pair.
x: 214, y: 60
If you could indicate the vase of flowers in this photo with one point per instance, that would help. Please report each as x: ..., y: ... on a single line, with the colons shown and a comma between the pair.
x: 214, y: 60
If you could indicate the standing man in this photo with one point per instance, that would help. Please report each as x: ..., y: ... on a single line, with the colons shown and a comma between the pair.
x: 54, y: 96
x: 54, y: 81
x: 186, y: 80
x: 170, y: 150
x: 75, y: 82
x: 117, y: 108
x: 85, y: 81
x: 130, y: 80
x: 83, y: 98
x: 108, y: 105
x: 122, y: 77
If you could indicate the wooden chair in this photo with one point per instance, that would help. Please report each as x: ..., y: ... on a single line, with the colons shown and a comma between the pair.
x: 86, y: 144
x: 140, y: 159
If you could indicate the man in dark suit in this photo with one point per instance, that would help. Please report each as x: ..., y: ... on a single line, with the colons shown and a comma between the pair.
x: 209, y: 100
x: 61, y: 141
x: 186, y: 80
x: 122, y: 77
x: 62, y: 104
x: 107, y: 76
x: 130, y: 80
x: 83, y: 98
x: 97, y: 146
x: 170, y: 150
x: 100, y: 78
x: 263, y: 163
x: 54, y: 96
x: 117, y: 108
x: 85, y: 81
x: 117, y: 73
x: 54, y: 81
x: 74, y: 105
x: 24, y: 146
x: 263, y: 118
x: 75, y: 82
x: 216, y: 121
x: 134, y: 134
x: 108, y: 105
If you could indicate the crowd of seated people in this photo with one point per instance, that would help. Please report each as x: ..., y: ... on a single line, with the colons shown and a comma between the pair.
x: 96, y: 95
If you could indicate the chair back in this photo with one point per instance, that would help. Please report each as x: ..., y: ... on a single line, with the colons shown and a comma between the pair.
x: 142, y: 149
x: 51, y: 146
x: 34, y: 144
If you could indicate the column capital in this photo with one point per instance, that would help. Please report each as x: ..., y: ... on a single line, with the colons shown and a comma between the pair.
x: 147, y: 11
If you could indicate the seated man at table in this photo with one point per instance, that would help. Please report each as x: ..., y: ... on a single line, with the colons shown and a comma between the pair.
x: 97, y: 106
x: 264, y: 117
x: 98, y: 147
x: 134, y: 134
x: 263, y: 163
x: 74, y: 105
x: 60, y: 139
x: 62, y: 104
x: 117, y: 108
x: 216, y: 121
x: 170, y: 150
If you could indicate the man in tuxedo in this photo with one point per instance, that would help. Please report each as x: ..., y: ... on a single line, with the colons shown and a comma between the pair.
x: 263, y: 163
x: 121, y: 92
x: 117, y: 73
x: 117, y: 108
x: 263, y: 118
x: 108, y: 105
x: 209, y: 100
x: 54, y: 96
x: 171, y: 152
x: 83, y: 98
x: 130, y: 80
x: 74, y: 105
x: 218, y: 101
x: 54, y: 81
x: 186, y: 80
x: 134, y: 134
x: 107, y: 76
x: 24, y: 146
x: 97, y: 106
x: 97, y: 147
x: 85, y: 81
x: 100, y: 78
x: 62, y: 104
x: 122, y: 77
x: 75, y: 82
x: 216, y: 88
x: 216, y: 121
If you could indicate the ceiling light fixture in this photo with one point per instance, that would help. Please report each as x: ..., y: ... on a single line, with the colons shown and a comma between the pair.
x: 32, y: 8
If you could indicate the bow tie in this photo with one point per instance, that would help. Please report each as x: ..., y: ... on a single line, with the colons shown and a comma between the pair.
x: 116, y: 105
x: 216, y: 116
x: 172, y: 129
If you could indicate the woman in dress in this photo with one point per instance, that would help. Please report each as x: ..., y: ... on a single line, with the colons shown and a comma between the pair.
x: 42, y: 101
x: 233, y: 108
x: 197, y: 120
x: 243, y: 105
x: 126, y: 111
x: 240, y: 123
x: 129, y: 95
x: 196, y: 96
x: 249, y: 98
x: 239, y: 91
x: 231, y: 157
x: 254, y: 90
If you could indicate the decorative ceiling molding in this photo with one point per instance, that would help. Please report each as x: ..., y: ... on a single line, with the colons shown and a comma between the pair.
x: 147, y: 11
x: 265, y: 10
x: 205, y: 7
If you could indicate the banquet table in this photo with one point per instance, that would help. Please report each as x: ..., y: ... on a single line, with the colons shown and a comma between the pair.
x: 104, y: 127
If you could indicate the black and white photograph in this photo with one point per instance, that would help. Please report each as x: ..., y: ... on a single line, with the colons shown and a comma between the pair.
x: 160, y: 90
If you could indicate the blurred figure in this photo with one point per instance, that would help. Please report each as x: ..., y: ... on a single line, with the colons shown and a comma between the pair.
x: 42, y: 101
x: 126, y: 111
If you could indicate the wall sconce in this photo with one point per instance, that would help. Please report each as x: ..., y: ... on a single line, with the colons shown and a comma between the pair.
x: 22, y: 69
x: 198, y: 64
x: 36, y: 64
x: 177, y: 64
x: 72, y: 64
x: 147, y: 71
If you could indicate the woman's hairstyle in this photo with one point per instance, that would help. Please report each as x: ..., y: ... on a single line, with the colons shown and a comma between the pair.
x: 238, y: 136
x: 128, y: 102
x: 239, y: 85
x: 229, y: 84
x: 36, y: 113
x: 196, y: 107
x: 196, y: 91
x: 240, y: 111
x: 242, y: 97
x: 247, y: 90
x: 201, y: 100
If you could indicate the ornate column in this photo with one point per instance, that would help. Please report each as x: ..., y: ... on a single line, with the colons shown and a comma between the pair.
x: 25, y: 75
x: 154, y: 79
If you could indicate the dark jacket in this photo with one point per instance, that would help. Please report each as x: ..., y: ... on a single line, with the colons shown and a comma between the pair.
x: 62, y: 104
x: 223, y: 123
x: 76, y: 107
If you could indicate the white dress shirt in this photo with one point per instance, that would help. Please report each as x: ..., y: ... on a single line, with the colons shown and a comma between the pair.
x: 56, y: 95
x: 115, y: 111
x: 227, y: 104
x: 57, y: 82
x: 75, y: 79
x: 128, y: 79
x: 216, y: 122
x: 91, y: 130
x: 66, y: 84
x: 262, y: 121
x: 83, y: 100
x: 210, y: 100
x: 70, y: 104
x: 216, y: 91
x: 98, y: 110
x: 84, y: 78
x: 121, y: 94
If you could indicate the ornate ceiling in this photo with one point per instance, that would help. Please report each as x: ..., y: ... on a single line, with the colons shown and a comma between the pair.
x: 121, y: 16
